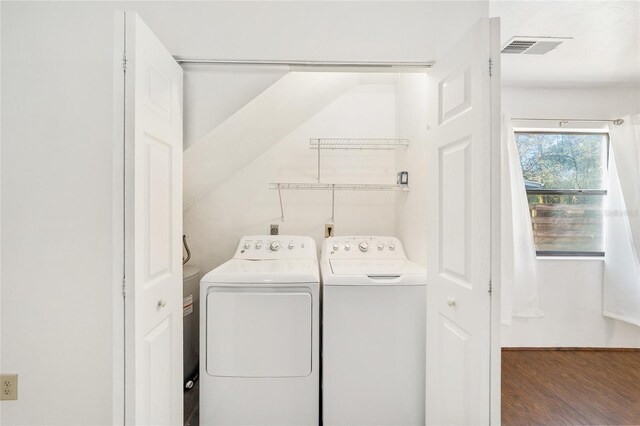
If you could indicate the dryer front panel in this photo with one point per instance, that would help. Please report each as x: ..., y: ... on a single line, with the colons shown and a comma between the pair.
x: 258, y: 332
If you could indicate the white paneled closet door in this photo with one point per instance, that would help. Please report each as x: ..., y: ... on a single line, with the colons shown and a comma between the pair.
x: 153, y: 229
x: 461, y: 139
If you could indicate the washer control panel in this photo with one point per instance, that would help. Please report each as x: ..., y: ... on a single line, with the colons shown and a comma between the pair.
x: 264, y: 247
x: 362, y: 247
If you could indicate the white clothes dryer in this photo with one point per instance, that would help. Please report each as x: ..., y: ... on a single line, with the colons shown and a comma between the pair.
x: 373, y: 341
x: 259, y: 357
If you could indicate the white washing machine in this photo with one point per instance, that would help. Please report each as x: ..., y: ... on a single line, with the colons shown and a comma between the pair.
x: 373, y: 333
x: 259, y: 357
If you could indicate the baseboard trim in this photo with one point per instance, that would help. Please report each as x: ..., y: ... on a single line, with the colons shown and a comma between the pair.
x: 595, y: 349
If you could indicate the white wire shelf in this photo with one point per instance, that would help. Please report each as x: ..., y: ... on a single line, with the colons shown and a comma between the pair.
x: 363, y: 144
x: 333, y: 187
x: 337, y: 187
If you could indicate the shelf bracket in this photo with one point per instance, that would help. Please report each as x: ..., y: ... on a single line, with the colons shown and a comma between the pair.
x: 281, y: 208
x: 318, y: 160
x: 333, y: 202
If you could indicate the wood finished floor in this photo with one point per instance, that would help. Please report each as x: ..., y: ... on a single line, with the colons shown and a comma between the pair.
x: 547, y: 387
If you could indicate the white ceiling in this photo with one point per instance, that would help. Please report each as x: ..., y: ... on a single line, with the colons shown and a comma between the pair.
x: 605, y: 48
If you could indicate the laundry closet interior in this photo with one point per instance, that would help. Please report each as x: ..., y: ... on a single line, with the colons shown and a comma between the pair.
x: 276, y: 160
x: 323, y: 154
x: 340, y: 218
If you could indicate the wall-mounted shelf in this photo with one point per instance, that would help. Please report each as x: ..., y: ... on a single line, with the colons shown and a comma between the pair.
x: 364, y: 143
x: 333, y: 187
x: 320, y: 144
x: 387, y: 144
x: 338, y: 187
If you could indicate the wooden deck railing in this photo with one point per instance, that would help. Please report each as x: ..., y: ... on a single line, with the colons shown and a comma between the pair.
x: 572, y: 227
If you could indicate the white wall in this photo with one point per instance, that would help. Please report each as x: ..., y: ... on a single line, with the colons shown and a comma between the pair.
x: 317, y: 30
x: 213, y: 93
x: 417, y: 31
x: 571, y: 298
x: 411, y: 218
x: 57, y: 282
x: 256, y: 127
x: 599, y: 102
x: 245, y: 205
x: 56, y: 214
x: 570, y: 290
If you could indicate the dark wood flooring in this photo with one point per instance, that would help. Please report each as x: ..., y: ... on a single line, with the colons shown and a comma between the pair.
x: 570, y: 387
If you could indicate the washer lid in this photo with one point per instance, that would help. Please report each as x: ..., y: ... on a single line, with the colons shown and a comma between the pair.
x: 377, y: 267
x: 265, y: 272
x: 338, y: 272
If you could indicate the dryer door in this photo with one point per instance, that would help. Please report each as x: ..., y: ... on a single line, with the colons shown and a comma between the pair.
x: 258, y: 332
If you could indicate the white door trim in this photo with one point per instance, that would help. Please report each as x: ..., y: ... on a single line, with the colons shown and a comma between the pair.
x: 152, y: 228
x: 496, y: 134
x: 118, y: 322
x: 118, y: 335
x: 463, y: 368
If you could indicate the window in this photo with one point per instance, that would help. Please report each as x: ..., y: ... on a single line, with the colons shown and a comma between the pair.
x: 565, y: 178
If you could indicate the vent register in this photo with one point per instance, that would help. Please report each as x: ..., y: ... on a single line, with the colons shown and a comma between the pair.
x: 532, y: 45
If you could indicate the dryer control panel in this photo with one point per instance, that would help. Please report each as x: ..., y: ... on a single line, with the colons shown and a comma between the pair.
x: 362, y: 247
x: 265, y: 247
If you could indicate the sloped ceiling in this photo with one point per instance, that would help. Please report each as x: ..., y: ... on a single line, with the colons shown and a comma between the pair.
x: 213, y: 94
x: 256, y: 127
x: 605, y: 49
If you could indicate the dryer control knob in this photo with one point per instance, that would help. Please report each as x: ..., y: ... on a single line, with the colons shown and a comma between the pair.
x: 380, y: 246
x: 274, y: 246
x: 247, y: 246
x: 347, y: 247
x: 363, y: 246
x: 336, y: 247
x: 258, y: 245
x: 291, y: 245
x: 392, y: 246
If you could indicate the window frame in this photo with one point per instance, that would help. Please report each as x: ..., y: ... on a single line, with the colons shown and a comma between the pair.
x: 603, y: 192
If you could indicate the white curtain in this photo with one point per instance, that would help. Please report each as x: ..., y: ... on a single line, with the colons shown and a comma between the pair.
x: 519, y: 276
x: 621, y: 296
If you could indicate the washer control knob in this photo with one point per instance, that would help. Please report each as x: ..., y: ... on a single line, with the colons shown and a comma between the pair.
x: 258, y: 245
x: 247, y: 245
x: 291, y: 245
x: 392, y: 246
x: 380, y: 246
x: 363, y: 246
x: 275, y: 245
x: 336, y: 247
x: 347, y: 247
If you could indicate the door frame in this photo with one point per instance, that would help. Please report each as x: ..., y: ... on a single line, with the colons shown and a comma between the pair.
x: 122, y: 308
x: 118, y: 212
x: 491, y: 145
x: 495, y: 351
x: 119, y: 394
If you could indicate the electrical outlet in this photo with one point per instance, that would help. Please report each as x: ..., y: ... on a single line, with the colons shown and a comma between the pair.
x: 9, y: 387
x: 274, y: 230
x: 328, y: 230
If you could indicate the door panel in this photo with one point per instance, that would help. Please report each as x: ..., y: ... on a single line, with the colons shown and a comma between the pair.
x: 153, y: 229
x: 157, y: 372
x: 157, y: 205
x: 454, y: 352
x: 459, y: 214
x: 455, y: 168
x: 454, y: 95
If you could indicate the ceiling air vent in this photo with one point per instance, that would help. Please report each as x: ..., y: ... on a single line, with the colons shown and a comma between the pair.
x: 532, y: 45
